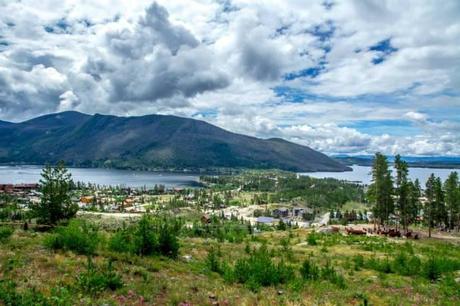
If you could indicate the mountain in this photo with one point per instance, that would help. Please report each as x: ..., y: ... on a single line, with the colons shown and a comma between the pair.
x: 447, y: 162
x: 149, y: 142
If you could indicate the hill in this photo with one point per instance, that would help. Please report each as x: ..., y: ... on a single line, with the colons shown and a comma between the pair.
x: 149, y: 142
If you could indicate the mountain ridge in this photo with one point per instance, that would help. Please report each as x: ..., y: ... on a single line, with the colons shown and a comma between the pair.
x: 149, y: 142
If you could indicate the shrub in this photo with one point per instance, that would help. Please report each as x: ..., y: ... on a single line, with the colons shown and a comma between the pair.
x: 329, y: 273
x: 309, y: 270
x: 212, y: 261
x: 258, y: 270
x: 79, y: 236
x: 148, y: 237
x: 312, y: 239
x: 358, y: 261
x: 432, y: 269
x: 168, y: 243
x: 95, y: 280
x: 122, y: 241
x: 145, y: 238
x: 406, y: 264
x: 9, y: 295
x: 5, y: 233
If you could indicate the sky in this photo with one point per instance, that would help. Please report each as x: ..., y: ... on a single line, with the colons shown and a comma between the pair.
x: 353, y: 77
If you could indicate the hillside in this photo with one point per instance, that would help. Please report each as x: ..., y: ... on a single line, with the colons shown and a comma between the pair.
x: 147, y: 142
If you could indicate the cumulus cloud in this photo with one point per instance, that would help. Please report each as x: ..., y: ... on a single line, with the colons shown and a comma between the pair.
x: 352, y: 77
x: 416, y: 116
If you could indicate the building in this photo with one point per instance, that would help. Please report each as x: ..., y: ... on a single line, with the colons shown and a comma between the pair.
x: 265, y: 220
x: 280, y: 212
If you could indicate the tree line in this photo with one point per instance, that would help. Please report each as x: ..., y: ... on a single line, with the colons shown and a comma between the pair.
x: 398, y: 197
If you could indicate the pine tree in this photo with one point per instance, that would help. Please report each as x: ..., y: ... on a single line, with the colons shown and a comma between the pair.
x: 381, y: 190
x: 402, y: 190
x: 429, y: 206
x: 55, y: 204
x: 415, y: 193
x: 440, y: 211
x: 452, y: 191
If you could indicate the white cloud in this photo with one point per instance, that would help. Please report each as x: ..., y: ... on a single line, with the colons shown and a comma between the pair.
x: 221, y: 60
x: 415, y: 116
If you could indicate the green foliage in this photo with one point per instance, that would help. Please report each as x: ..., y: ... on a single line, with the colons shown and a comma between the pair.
x: 358, y: 261
x: 411, y: 265
x: 212, y: 261
x: 285, y: 187
x: 234, y: 231
x: 95, y: 280
x: 312, y: 238
x: 309, y: 270
x: 78, y: 236
x: 381, y: 190
x: 5, y: 233
x: 9, y: 295
x: 55, y: 204
x: 329, y: 273
x: 149, y: 236
x: 259, y: 270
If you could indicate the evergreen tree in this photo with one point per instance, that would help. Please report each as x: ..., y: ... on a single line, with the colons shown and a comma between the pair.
x: 429, y: 206
x: 55, y: 204
x: 440, y: 207
x: 452, y: 191
x: 402, y: 191
x: 415, y: 193
x: 381, y: 189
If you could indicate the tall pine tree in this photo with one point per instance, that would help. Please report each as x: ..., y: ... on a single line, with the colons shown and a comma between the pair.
x: 381, y: 190
x: 452, y: 191
x: 415, y: 192
x: 429, y: 209
x: 402, y: 191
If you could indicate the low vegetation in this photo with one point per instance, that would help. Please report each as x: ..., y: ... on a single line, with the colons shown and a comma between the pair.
x: 184, y: 251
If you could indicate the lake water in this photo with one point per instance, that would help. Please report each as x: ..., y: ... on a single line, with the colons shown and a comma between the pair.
x: 128, y: 178
x: 363, y: 174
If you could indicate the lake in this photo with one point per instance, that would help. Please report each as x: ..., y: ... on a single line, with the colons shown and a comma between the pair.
x: 127, y: 178
x: 363, y: 174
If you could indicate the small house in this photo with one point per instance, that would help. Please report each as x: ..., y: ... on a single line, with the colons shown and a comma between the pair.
x: 280, y: 212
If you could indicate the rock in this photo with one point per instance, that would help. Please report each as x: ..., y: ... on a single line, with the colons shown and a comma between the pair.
x: 212, y: 296
x: 187, y: 258
x: 280, y: 292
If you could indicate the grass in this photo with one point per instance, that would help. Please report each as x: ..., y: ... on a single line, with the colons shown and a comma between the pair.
x: 352, y: 271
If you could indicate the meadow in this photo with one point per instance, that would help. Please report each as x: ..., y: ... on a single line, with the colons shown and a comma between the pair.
x: 160, y: 261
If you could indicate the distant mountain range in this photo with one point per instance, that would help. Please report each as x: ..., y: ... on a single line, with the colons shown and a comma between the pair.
x: 413, y: 161
x: 153, y: 142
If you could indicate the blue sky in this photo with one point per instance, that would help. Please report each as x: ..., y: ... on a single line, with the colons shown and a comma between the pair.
x: 351, y: 77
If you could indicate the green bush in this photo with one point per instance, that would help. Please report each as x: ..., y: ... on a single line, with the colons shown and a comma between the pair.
x: 5, y: 233
x: 432, y: 269
x: 78, y: 236
x: 358, y: 261
x: 258, y: 270
x: 9, y: 295
x: 312, y: 239
x: 212, y: 261
x: 148, y: 237
x: 411, y: 265
x: 95, y: 280
x: 122, y: 241
x: 406, y: 264
x: 309, y: 270
x: 329, y: 273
